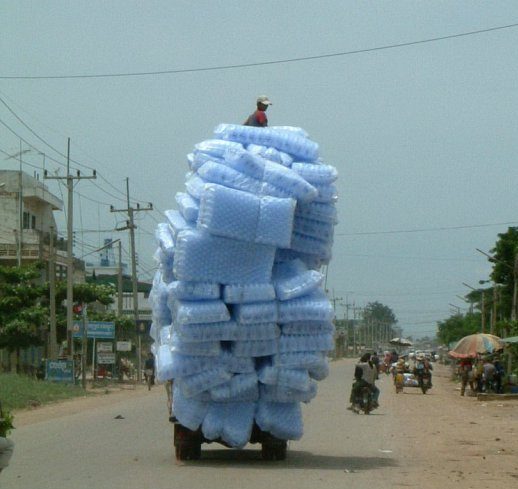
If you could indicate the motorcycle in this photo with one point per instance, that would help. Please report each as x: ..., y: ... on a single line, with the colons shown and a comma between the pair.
x: 424, y: 380
x: 363, y: 400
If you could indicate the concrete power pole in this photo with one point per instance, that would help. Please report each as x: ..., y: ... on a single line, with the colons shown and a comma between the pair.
x: 70, y: 253
x: 53, y: 347
x: 130, y: 225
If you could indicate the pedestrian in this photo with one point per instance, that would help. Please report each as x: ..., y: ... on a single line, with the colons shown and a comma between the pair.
x: 149, y: 370
x: 258, y: 118
x: 466, y: 374
x: 499, y: 376
x: 488, y: 375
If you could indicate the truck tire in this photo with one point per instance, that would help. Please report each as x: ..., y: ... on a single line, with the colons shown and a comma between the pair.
x: 188, y: 452
x: 275, y: 451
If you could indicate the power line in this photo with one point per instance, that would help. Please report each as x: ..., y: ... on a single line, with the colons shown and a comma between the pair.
x: 59, y: 152
x: 260, y: 63
x: 423, y: 230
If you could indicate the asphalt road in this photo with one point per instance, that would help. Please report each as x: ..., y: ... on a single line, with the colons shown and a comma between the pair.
x: 92, y: 449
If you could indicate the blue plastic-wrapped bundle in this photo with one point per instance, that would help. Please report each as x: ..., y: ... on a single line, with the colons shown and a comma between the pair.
x: 289, y: 181
x: 164, y: 363
x: 281, y: 419
x: 312, y: 246
x: 254, y: 348
x: 230, y: 422
x: 237, y: 365
x: 281, y: 393
x: 228, y: 177
x: 310, y: 227
x: 275, y: 222
x: 201, y: 348
x: 271, y: 154
x: 308, y: 327
x: 305, y: 342
x: 195, y: 185
x: 189, y: 207
x: 245, y: 162
x: 176, y: 223
x: 193, y: 291
x: 189, y: 412
x: 312, y: 307
x: 197, y: 383
x: 242, y: 294
x: 289, y: 142
x: 240, y: 215
x: 186, y: 364
x: 202, y: 257
x: 255, y: 312
x: 223, y: 331
x: 165, y: 240
x: 300, y: 359
x: 319, y: 174
x: 320, y: 371
x: 293, y: 279
x: 256, y: 331
x: 327, y: 194
x: 241, y: 387
x: 190, y: 312
x: 216, y: 147
x: 317, y: 211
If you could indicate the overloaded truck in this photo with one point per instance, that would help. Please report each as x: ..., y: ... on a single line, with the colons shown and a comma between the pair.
x: 241, y: 324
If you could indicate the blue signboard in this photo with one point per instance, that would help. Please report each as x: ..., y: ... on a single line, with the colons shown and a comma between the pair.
x: 60, y: 371
x: 95, y: 329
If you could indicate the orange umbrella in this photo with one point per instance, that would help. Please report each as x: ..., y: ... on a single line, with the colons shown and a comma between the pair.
x: 474, y: 344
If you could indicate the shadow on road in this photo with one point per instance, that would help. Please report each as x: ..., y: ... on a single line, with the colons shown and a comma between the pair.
x: 296, y: 459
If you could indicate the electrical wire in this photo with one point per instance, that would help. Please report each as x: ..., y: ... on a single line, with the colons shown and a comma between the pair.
x: 260, y: 63
x: 423, y: 230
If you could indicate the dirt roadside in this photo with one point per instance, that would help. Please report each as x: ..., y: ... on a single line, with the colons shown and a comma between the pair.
x: 448, y: 438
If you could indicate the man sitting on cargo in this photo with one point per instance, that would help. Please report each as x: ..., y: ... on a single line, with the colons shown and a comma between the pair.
x: 258, y: 118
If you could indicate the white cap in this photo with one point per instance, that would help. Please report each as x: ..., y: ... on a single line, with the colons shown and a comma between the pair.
x: 263, y: 99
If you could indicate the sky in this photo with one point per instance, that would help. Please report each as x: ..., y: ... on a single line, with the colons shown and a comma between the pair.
x: 423, y: 134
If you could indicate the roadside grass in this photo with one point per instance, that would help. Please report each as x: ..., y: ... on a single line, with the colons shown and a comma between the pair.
x: 20, y: 391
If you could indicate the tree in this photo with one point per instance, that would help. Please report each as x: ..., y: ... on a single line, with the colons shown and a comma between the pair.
x: 504, y: 253
x: 378, y: 323
x: 22, y: 314
x: 457, y: 326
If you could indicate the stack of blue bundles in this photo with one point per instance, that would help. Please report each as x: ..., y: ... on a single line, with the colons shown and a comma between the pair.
x: 240, y: 321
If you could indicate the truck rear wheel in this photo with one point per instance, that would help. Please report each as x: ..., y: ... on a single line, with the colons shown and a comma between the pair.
x: 188, y: 452
x: 274, y: 451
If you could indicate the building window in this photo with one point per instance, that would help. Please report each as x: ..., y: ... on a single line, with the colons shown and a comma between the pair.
x: 29, y: 221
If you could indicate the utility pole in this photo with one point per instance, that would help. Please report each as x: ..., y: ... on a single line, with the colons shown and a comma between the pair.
x: 130, y: 225
x: 70, y: 251
x: 119, y: 283
x: 53, y: 347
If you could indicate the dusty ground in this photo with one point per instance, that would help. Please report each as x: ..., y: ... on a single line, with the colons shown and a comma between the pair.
x: 463, y: 440
x: 435, y: 440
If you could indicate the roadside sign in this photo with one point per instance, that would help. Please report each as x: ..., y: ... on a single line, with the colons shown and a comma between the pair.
x: 104, y: 346
x: 123, y: 345
x: 105, y: 358
x: 95, y: 329
x: 60, y: 371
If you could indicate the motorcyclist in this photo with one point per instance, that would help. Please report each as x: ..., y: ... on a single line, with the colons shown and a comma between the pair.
x: 423, y: 368
x: 365, y: 374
